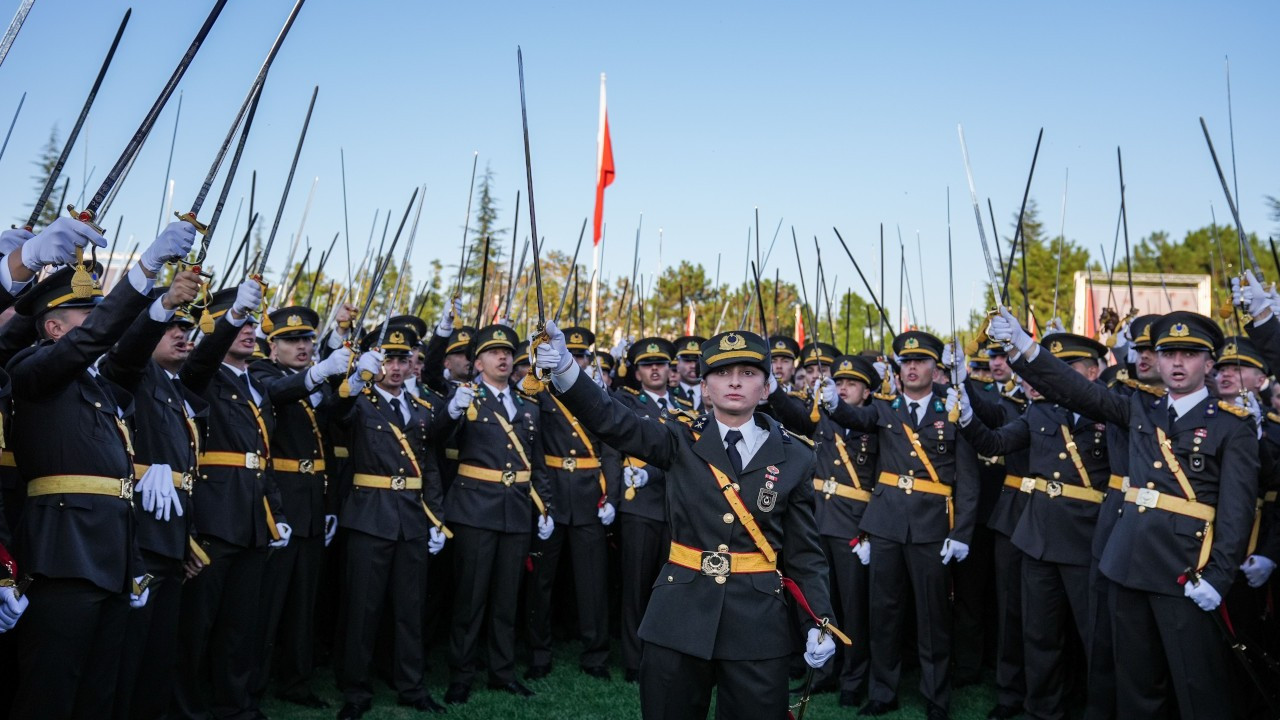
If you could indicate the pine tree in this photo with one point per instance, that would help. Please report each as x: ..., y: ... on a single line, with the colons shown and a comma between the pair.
x: 47, y: 159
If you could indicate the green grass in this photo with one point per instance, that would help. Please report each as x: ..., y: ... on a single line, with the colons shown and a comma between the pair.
x: 568, y: 693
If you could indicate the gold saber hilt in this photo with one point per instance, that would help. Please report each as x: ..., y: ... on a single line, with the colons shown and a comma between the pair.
x: 536, y: 380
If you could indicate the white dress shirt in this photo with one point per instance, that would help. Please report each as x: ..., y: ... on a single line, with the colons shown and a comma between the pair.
x: 753, y: 437
x: 402, y: 399
x: 507, y: 401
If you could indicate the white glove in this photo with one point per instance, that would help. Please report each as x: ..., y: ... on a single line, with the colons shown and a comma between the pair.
x: 954, y: 398
x: 1131, y: 355
x: 435, y: 542
x: 954, y: 550
x: 11, y: 607
x: 1203, y: 594
x: 618, y: 351
x: 818, y: 648
x: 1123, y: 339
x: 1249, y: 402
x: 248, y: 297
x: 158, y: 495
x: 863, y: 550
x: 948, y: 355
x: 335, y: 364
x: 553, y: 355
x: 960, y: 370
x: 57, y: 243
x: 546, y: 526
x: 370, y: 362
x: 606, y: 513
x: 444, y: 328
x: 1054, y: 327
x: 285, y: 533
x: 461, y: 400
x: 773, y: 387
x: 830, y: 396
x: 330, y: 528
x: 1257, y: 570
x: 635, y: 477
x: 173, y: 243
x: 11, y: 240
x: 1004, y: 328
x: 137, y: 601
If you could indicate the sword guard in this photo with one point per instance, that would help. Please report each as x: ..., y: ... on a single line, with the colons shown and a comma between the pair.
x: 191, y: 218
x: 86, y: 217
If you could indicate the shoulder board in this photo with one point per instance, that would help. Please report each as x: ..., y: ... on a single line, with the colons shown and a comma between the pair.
x: 890, y: 397
x: 531, y: 398
x: 1151, y: 389
x: 632, y: 390
x: 1273, y: 417
x: 1016, y: 399
x: 421, y: 401
x: 693, y: 420
x: 683, y: 402
x: 788, y: 434
x: 1234, y: 409
x: 799, y: 394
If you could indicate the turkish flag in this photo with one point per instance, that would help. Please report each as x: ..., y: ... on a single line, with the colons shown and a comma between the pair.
x: 604, y: 165
x: 799, y: 327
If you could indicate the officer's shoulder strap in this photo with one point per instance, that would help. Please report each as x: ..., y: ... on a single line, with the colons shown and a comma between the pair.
x: 788, y: 434
x: 890, y: 397
x: 1273, y: 417
x: 531, y: 398
x: 632, y: 390
x: 1234, y: 409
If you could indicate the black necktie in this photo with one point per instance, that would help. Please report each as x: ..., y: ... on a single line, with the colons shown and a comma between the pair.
x: 248, y: 386
x: 731, y: 439
x: 915, y: 419
x: 178, y: 388
x: 502, y: 401
x: 395, y: 408
x: 662, y: 404
x: 1173, y: 416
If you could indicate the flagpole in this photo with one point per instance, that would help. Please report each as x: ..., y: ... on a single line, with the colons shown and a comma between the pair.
x: 595, y: 245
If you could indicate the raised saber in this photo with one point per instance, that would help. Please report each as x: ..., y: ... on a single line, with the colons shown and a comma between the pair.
x: 531, y: 383
x: 1231, y: 203
x: 275, y: 225
x: 564, y: 292
x: 12, y: 122
x: 977, y: 216
x: 884, y: 317
x: 14, y: 26
x: 408, y: 248
x: 1062, y: 239
x: 466, y: 223
x: 1124, y: 218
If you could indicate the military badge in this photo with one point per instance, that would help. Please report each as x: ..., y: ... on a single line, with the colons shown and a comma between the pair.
x: 766, y: 500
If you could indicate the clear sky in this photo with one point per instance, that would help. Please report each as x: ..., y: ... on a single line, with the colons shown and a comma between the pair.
x: 820, y: 114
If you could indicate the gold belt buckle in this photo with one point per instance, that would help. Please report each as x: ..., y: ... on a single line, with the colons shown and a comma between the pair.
x: 1028, y: 485
x: 570, y: 464
x: 509, y: 478
x: 397, y: 482
x: 1053, y: 489
x: 1124, y: 484
x: 253, y: 461
x: 126, y: 489
x: 716, y: 565
x: 1147, y: 498
x: 306, y: 467
x: 188, y: 482
x: 829, y: 486
x: 906, y: 482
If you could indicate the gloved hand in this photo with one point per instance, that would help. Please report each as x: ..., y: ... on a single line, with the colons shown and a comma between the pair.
x: 1249, y: 402
x: 830, y: 395
x: 248, y: 297
x: 461, y: 400
x: 546, y: 526
x: 618, y: 351
x: 1203, y: 594
x: 1055, y: 326
x: 960, y: 370
x: 453, y: 309
x: 635, y: 477
x: 954, y: 398
x: 158, y: 495
x: 948, y: 355
x: 1123, y: 339
x: 863, y: 550
x: 886, y: 371
x: 553, y: 355
x: 1257, y: 570
x: 173, y: 243
x: 435, y: 541
x: 954, y: 550
x: 1131, y: 355
x: 11, y: 607
x: 11, y: 240
x: 773, y: 387
x: 818, y: 648
x: 1004, y: 328
x: 137, y: 601
x: 1252, y: 297
x: 370, y: 362
x: 606, y: 513
x: 285, y: 533
x: 57, y: 243
x: 335, y: 364
x: 330, y: 528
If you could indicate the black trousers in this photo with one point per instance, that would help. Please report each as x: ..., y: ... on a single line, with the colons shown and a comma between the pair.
x: 1011, y: 680
x: 850, y: 585
x: 589, y: 555
x: 381, y: 571
x: 218, y: 638
x: 896, y: 570
x: 1100, y: 702
x: 645, y: 545
x: 289, y: 589
x: 1052, y: 594
x: 1167, y: 648
x: 676, y: 686
x: 487, y: 570
x: 150, y: 645
x: 975, y: 623
x: 69, y: 649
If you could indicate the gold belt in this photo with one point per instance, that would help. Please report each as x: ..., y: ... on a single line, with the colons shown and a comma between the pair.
x: 251, y: 461
x: 306, y: 467
x: 451, y: 453
x: 721, y: 563
x: 341, y: 452
x: 7, y: 460
x: 1013, y: 481
x: 1117, y: 482
x: 506, y: 477
x: 383, y: 482
x: 1055, y: 488
x: 1146, y: 498
x: 573, y: 463
x: 1270, y: 496
x: 909, y: 484
x: 830, y: 487
x: 181, y: 481
x: 81, y: 485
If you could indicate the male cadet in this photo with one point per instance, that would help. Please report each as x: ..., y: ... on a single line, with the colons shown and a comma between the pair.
x: 1193, y: 465
x: 448, y: 355
x: 500, y: 487
x: 417, y: 357
x: 392, y: 522
x: 239, y: 507
x: 718, y: 617
x: 784, y: 351
x: 846, y: 474
x: 585, y: 486
x: 603, y: 358
x: 645, y: 537
x: 1066, y: 479
x: 78, y: 534
x: 920, y: 519
x: 520, y: 365
x: 145, y: 362
x: 688, y: 381
x: 302, y: 401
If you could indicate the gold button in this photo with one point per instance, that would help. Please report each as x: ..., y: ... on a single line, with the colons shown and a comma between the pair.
x: 1151, y: 486
x: 508, y: 446
x: 573, y: 452
x: 736, y: 487
x: 913, y: 453
x: 728, y: 518
x: 1142, y: 509
x: 1199, y: 534
x: 508, y: 464
x: 1057, y: 475
x: 574, y: 434
x: 1157, y: 464
x: 835, y: 462
x: 722, y: 548
x: 233, y: 397
x: 720, y: 579
x: 1062, y: 456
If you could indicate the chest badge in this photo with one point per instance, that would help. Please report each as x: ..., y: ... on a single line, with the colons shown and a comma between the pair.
x: 766, y: 500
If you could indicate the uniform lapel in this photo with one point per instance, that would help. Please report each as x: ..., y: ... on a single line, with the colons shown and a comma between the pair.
x: 710, y: 447
x: 770, y: 453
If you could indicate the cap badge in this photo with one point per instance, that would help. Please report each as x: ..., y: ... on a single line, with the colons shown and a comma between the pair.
x: 846, y: 365
x: 499, y: 335
x: 653, y: 348
x: 396, y: 338
x: 911, y: 344
x: 464, y: 337
x: 732, y: 341
x: 1179, y: 330
x: 293, y: 321
x: 1055, y: 347
x: 575, y: 338
x: 1230, y: 349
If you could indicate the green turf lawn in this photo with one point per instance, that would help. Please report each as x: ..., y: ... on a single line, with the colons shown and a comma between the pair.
x: 568, y: 693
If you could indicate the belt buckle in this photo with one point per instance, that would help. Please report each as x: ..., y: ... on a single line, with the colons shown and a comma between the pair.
x: 829, y: 486
x: 570, y: 464
x: 1028, y: 485
x: 1147, y: 498
x: 188, y: 482
x: 716, y: 564
x: 906, y: 482
x: 306, y: 467
x: 508, y: 478
x: 1124, y: 484
x: 398, y: 482
x: 1053, y: 489
x: 126, y: 489
x: 253, y: 461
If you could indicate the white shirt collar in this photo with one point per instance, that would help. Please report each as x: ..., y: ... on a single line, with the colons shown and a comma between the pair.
x: 924, y: 404
x: 753, y: 436
x: 1184, y: 404
x: 655, y: 397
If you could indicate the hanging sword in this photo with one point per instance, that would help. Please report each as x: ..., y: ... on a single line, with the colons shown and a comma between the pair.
x: 14, y: 26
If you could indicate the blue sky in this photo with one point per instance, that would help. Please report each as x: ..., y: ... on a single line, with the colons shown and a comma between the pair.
x: 820, y: 114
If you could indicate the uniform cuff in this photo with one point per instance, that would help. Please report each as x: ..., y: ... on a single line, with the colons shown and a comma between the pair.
x: 159, y: 312
x: 6, y: 279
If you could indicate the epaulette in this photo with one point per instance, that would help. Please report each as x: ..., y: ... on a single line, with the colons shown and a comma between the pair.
x: 1149, y: 389
x: 980, y: 376
x: 788, y: 434
x: 521, y: 394
x: 632, y: 390
x: 1016, y: 400
x: 696, y: 422
x: 1235, y: 409
x: 1273, y: 417
x: 890, y: 397
x: 799, y: 394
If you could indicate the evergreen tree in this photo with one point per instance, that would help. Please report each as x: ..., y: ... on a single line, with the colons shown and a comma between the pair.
x: 45, y: 162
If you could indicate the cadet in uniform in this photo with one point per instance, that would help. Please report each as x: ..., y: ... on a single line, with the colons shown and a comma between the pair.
x: 784, y: 351
x: 688, y: 383
x: 1193, y: 464
x: 718, y: 616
